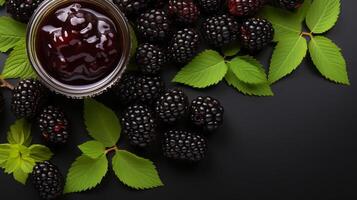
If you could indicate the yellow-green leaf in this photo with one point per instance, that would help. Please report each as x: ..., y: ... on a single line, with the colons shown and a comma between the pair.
x: 323, y: 15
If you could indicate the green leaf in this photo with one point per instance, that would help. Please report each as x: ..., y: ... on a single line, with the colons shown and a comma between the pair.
x: 134, y: 41
x: 102, y: 123
x: 248, y: 70
x: 287, y: 56
x: 20, y: 176
x: 85, y: 173
x: 135, y: 172
x: 11, y: 32
x: 248, y: 89
x: 231, y: 49
x: 284, y: 22
x: 92, y: 149
x: 328, y: 59
x: 13, y: 162
x: 27, y: 164
x: 5, y: 150
x: 20, y: 133
x: 40, y: 153
x: 302, y: 11
x: 17, y: 64
x: 2, y: 2
x: 206, y: 69
x: 322, y: 15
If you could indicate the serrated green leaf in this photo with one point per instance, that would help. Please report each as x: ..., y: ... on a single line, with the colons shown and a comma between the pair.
x: 206, y: 69
x: 12, y: 163
x: 5, y: 150
x: 92, y: 149
x: 27, y: 164
x: 17, y: 64
x: 40, y: 153
x: 231, y: 49
x: 303, y: 10
x: 248, y: 70
x: 11, y: 32
x: 20, y: 133
x: 20, y: 176
x: 134, y: 171
x: 85, y: 173
x: 322, y: 15
x: 287, y: 56
x: 248, y: 89
x: 285, y: 23
x: 101, y: 122
x: 328, y: 59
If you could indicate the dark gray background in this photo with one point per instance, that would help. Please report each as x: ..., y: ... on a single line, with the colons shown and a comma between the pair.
x: 300, y: 144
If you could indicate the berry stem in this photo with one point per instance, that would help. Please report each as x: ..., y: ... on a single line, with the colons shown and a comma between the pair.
x: 114, y: 148
x: 5, y: 84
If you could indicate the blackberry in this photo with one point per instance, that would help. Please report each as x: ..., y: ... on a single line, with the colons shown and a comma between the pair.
x: 220, y: 30
x: 288, y: 4
x: 139, y: 125
x: 243, y: 8
x: 172, y: 105
x: 47, y: 180
x: 27, y: 98
x: 131, y: 7
x: 256, y: 33
x: 184, y: 45
x: 149, y: 88
x: 2, y: 103
x: 160, y: 3
x: 153, y: 25
x: 22, y: 10
x: 150, y: 58
x: 207, y: 113
x: 125, y: 89
x: 184, y: 146
x: 184, y: 11
x: 53, y: 125
x: 210, y: 6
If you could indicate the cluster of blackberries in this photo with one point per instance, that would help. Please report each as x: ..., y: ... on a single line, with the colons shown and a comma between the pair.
x: 150, y: 107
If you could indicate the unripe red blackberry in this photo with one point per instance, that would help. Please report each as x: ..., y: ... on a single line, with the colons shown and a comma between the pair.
x: 243, y: 8
x: 153, y: 25
x: 150, y: 58
x: 256, y: 33
x: 184, y: 11
x: 184, y: 45
x: 22, y: 10
x: 210, y: 6
x: 220, y: 30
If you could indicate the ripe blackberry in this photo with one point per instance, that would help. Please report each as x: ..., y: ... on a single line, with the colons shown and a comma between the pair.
x: 2, y: 102
x: 150, y: 58
x: 153, y: 25
x: 22, y: 10
x: 184, y: 11
x: 184, y: 45
x: 140, y: 125
x: 220, y: 30
x: 130, y: 7
x: 184, y: 146
x: 210, y: 6
x: 27, y: 98
x: 207, y: 113
x: 160, y: 3
x: 149, y: 88
x: 47, y: 180
x: 288, y: 4
x: 172, y: 105
x: 53, y: 125
x: 256, y: 33
x: 125, y: 89
x: 243, y: 8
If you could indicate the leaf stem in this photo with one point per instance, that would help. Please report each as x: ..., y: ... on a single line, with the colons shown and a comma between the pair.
x: 114, y: 148
x: 308, y: 34
x: 5, y: 84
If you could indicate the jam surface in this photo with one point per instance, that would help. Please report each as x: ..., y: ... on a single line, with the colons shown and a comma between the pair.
x: 78, y: 44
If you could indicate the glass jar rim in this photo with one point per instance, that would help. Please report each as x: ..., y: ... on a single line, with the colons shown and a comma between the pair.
x: 79, y: 91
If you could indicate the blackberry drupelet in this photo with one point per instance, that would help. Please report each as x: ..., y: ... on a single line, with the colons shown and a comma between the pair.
x: 220, y: 30
x: 47, y: 180
x: 131, y: 7
x: 27, y: 98
x: 288, y: 4
x: 140, y: 125
x: 184, y: 11
x: 243, y: 8
x: 22, y: 10
x: 125, y: 90
x: 172, y: 106
x: 210, y: 6
x: 184, y: 45
x: 206, y: 113
x: 184, y: 146
x: 150, y: 58
x: 53, y: 125
x: 256, y: 33
x: 153, y: 25
x: 149, y: 88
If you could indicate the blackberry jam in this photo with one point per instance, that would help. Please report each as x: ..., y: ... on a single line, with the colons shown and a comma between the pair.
x: 79, y: 48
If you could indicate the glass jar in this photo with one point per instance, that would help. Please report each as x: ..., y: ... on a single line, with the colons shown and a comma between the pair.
x: 49, y: 7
